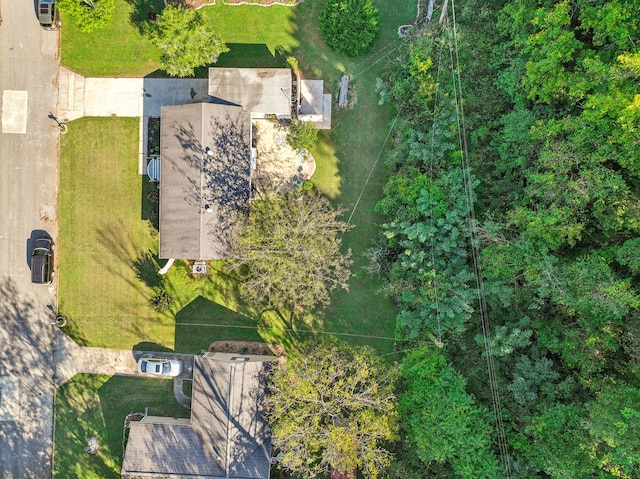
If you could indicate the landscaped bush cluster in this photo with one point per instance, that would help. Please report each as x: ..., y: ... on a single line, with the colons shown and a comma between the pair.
x: 350, y: 26
x: 89, y: 15
x: 162, y: 300
x: 302, y: 134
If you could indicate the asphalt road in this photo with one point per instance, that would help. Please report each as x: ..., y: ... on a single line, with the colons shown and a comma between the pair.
x: 28, y: 196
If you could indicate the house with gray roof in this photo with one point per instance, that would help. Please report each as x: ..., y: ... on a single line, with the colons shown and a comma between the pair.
x: 226, y: 436
x: 205, y: 178
x: 206, y: 155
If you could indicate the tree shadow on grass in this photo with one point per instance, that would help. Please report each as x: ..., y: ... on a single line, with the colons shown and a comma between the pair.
x: 202, y: 322
x: 143, y: 14
x: 146, y: 267
x: 148, y: 346
x: 251, y: 55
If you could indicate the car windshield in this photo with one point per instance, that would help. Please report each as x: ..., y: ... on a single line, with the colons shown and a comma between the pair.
x: 166, y: 368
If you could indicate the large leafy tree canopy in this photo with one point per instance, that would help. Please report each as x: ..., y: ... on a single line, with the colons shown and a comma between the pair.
x: 89, y: 15
x: 443, y: 420
x: 333, y: 407
x: 551, y: 93
x: 186, y: 41
x: 289, y: 251
x: 350, y: 26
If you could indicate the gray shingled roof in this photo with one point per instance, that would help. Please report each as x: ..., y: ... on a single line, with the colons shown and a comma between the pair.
x: 258, y: 90
x: 205, y: 155
x: 227, y: 437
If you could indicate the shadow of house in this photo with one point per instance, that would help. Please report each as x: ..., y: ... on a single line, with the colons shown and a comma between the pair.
x: 226, y: 435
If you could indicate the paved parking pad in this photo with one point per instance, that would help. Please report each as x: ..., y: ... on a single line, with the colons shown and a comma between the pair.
x: 14, y: 111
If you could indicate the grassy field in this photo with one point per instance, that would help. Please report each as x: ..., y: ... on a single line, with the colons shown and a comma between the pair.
x: 123, y: 48
x: 102, y: 235
x: 349, y: 163
x: 92, y: 405
x: 119, y: 50
x: 107, y: 259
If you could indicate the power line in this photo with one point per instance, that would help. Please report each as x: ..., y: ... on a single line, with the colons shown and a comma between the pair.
x: 475, y: 249
x: 372, y: 55
x: 375, y: 163
x: 291, y: 330
x: 433, y: 136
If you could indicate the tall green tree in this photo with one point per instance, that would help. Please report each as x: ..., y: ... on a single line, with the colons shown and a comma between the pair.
x: 289, y: 251
x: 557, y: 444
x: 333, y: 406
x: 186, y: 40
x: 350, y: 26
x: 614, y: 424
x: 443, y: 420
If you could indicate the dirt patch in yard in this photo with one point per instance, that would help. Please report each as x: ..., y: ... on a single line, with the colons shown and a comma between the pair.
x: 279, y: 167
x: 247, y: 347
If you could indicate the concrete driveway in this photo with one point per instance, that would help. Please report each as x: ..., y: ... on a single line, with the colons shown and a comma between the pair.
x: 28, y: 195
x: 128, y: 97
x: 71, y: 359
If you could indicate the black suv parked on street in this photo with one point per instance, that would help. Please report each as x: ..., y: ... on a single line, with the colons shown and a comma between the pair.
x: 42, y: 261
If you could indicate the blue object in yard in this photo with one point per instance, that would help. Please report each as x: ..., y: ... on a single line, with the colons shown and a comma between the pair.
x: 153, y: 169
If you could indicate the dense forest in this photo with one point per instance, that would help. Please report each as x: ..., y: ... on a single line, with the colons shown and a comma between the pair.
x: 511, y: 240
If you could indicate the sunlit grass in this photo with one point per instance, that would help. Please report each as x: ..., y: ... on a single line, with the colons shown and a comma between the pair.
x: 96, y: 406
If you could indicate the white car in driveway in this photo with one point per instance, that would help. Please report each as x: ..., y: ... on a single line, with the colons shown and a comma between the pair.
x: 159, y: 366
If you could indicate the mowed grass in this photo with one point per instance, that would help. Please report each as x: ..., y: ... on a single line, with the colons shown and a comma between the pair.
x: 102, y: 234
x: 105, y: 292
x: 118, y: 50
x: 254, y: 35
x: 96, y: 406
x: 107, y: 259
x: 350, y: 157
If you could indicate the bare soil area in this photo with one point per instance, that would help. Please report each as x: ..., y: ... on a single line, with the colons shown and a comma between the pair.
x: 279, y: 166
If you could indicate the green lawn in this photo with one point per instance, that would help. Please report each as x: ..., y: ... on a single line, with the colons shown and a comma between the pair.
x: 107, y: 259
x: 102, y: 235
x: 92, y: 405
x: 119, y: 50
x: 346, y: 158
x: 253, y: 34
